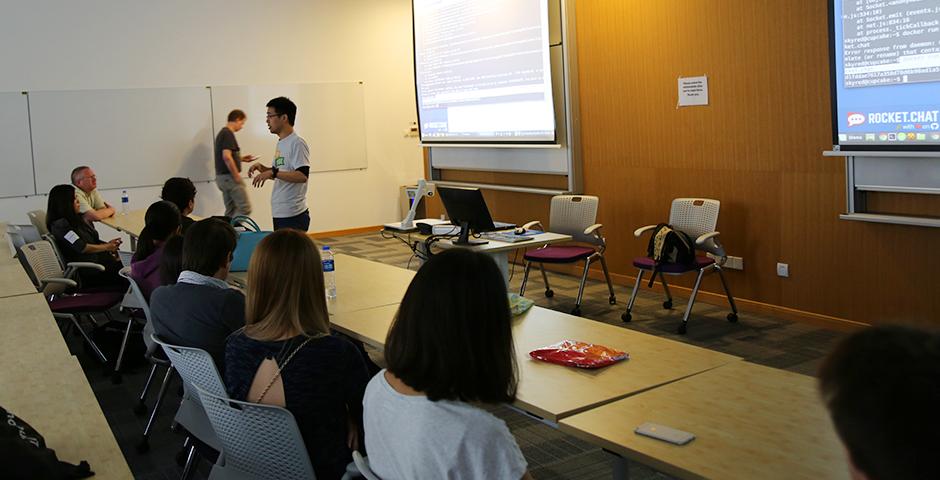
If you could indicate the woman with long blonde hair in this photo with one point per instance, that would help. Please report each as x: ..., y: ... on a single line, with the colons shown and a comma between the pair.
x: 286, y: 355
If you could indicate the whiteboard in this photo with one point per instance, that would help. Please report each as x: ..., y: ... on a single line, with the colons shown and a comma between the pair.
x: 330, y: 117
x: 15, y: 148
x: 131, y: 138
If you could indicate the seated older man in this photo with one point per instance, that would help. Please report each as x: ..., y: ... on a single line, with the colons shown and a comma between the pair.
x: 92, y: 207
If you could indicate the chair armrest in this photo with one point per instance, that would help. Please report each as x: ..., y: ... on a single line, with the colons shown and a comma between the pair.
x: 640, y: 231
x: 77, y: 265
x: 705, y: 237
x: 533, y: 223
x: 68, y: 282
x: 709, y: 243
x: 593, y: 228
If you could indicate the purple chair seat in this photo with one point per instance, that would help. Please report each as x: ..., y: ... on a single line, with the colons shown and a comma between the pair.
x: 563, y: 254
x: 86, y: 302
x: 647, y: 263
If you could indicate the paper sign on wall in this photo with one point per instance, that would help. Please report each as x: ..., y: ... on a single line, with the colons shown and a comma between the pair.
x: 693, y: 91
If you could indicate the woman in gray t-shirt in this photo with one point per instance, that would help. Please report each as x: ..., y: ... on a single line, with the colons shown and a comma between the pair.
x: 449, y: 350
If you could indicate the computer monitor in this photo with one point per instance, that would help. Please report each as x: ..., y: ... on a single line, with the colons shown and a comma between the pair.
x: 467, y: 208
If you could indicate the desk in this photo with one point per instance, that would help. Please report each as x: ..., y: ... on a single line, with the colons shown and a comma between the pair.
x: 498, y: 250
x: 30, y: 333
x: 131, y: 223
x: 554, y: 392
x: 54, y: 397
x: 13, y: 279
x: 749, y: 421
x: 360, y: 284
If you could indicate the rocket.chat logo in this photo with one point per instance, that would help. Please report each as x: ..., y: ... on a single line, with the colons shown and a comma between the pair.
x: 856, y: 119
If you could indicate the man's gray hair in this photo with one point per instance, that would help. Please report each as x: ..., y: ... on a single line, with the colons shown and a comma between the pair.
x: 78, y: 173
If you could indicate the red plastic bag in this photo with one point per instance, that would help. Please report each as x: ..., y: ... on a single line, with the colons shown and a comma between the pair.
x: 579, y: 354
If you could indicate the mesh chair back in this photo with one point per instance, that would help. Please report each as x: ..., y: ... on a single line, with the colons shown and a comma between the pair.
x: 44, y: 265
x: 38, y: 219
x: 694, y: 216
x: 258, y: 441
x: 142, y: 303
x: 571, y: 214
x: 20, y: 235
x: 55, y: 248
x: 138, y: 294
x: 195, y: 366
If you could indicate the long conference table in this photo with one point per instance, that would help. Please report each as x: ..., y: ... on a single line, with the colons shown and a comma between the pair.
x: 750, y: 421
x: 42, y: 383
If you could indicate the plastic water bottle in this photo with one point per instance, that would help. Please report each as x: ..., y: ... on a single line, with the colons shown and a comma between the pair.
x: 125, y: 202
x: 329, y: 272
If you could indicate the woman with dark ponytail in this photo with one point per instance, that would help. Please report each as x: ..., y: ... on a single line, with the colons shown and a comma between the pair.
x: 79, y: 241
x: 162, y: 222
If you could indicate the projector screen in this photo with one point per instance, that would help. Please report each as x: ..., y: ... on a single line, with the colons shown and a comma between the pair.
x: 482, y: 71
x: 885, y: 74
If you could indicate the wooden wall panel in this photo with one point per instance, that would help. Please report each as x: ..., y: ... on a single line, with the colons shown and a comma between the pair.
x: 757, y: 147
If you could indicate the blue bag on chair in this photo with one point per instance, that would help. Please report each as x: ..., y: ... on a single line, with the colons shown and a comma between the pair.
x: 247, y: 241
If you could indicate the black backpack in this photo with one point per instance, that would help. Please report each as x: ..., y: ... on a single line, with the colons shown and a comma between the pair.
x: 24, y: 455
x: 668, y: 245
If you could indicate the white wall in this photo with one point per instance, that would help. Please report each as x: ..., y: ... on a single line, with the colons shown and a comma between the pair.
x: 102, y: 44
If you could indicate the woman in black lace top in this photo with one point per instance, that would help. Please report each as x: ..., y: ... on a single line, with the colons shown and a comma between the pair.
x: 286, y: 356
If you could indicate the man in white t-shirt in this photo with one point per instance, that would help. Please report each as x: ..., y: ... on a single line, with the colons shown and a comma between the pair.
x: 290, y: 169
x: 92, y: 207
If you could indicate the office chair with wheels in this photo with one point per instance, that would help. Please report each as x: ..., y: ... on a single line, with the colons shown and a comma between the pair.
x: 197, y: 369
x: 698, y: 219
x: 139, y: 315
x: 53, y: 282
x: 153, y: 354
x: 572, y: 215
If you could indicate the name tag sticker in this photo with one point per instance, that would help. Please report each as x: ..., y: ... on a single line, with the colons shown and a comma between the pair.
x: 72, y: 237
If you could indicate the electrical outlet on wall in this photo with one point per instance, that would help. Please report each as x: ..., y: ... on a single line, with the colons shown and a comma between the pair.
x: 783, y: 270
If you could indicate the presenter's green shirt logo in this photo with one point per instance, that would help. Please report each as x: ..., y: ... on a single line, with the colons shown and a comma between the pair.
x: 279, y: 162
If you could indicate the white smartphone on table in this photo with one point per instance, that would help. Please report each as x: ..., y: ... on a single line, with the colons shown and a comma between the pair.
x: 664, y: 433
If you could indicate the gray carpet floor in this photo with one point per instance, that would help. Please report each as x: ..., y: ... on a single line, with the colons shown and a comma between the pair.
x: 551, y: 454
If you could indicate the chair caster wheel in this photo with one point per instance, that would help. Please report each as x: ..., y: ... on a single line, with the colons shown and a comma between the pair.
x: 140, y: 408
x: 549, y: 293
x: 576, y: 311
x: 612, y: 300
x: 681, y: 329
x: 733, y: 317
x: 143, y: 446
x: 626, y: 317
x: 116, y: 378
x: 667, y: 304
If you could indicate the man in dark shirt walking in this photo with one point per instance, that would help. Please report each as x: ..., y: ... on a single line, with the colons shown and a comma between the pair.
x: 228, y: 166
